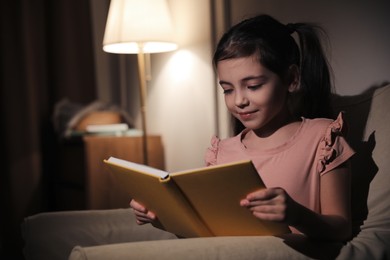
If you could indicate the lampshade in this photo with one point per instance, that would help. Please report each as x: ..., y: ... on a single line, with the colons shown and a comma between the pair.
x: 135, y: 24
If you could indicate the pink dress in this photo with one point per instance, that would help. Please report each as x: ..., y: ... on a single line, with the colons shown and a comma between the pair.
x: 317, y: 147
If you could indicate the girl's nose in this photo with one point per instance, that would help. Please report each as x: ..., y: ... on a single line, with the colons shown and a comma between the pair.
x: 241, y: 100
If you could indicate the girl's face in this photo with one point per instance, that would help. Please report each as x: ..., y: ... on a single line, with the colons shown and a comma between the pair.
x: 253, y: 94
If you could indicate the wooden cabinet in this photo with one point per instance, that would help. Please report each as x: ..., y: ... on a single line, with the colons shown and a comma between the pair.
x: 102, y: 191
x: 82, y: 181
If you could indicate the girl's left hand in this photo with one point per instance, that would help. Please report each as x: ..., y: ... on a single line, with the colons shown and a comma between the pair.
x: 272, y: 204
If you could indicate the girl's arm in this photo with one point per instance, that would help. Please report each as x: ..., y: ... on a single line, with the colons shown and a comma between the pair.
x: 332, y: 224
x: 335, y: 219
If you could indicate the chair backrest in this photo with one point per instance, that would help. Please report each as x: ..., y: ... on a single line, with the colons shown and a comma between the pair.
x: 368, y: 116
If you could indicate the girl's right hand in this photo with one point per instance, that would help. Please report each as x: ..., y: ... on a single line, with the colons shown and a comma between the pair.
x: 142, y: 214
x: 272, y: 204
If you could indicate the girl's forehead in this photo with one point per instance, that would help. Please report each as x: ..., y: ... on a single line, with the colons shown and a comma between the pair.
x: 236, y: 62
x: 244, y: 64
x: 241, y: 69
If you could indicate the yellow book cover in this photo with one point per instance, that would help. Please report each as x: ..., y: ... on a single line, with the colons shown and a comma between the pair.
x: 198, y: 202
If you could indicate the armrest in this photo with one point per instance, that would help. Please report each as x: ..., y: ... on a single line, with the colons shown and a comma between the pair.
x: 228, y: 248
x: 53, y: 235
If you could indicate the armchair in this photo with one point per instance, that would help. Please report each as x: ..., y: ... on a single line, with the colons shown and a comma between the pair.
x: 113, y: 234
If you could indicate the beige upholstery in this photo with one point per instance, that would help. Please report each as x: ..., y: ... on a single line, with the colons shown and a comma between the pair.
x: 53, y: 235
x: 110, y: 234
x: 371, y: 174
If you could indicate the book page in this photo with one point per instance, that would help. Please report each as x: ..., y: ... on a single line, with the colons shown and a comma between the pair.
x: 139, y: 167
x: 161, y: 196
x: 215, y: 192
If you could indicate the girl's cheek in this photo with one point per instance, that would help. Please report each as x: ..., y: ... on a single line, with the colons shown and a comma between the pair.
x: 229, y: 102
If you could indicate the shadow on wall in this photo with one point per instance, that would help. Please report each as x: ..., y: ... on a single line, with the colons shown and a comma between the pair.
x: 363, y: 167
x: 357, y: 109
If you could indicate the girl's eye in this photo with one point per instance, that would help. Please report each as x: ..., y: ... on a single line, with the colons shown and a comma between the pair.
x: 227, y: 91
x: 254, y: 87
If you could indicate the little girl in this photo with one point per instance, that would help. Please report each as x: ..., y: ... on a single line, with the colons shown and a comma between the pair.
x: 272, y: 87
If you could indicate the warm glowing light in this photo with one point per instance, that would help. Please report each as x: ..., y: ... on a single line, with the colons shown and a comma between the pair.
x: 181, y: 65
x: 135, y: 24
x: 133, y: 47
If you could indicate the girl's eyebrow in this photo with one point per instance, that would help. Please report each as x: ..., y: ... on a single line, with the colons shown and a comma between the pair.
x: 261, y: 77
x: 222, y: 82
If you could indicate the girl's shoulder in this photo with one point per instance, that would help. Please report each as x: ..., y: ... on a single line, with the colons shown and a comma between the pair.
x: 326, y: 125
x: 317, y: 123
x: 328, y: 137
x: 230, y: 145
x: 334, y: 149
x: 233, y: 141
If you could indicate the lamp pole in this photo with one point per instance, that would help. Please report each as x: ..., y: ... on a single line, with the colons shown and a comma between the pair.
x: 139, y: 26
x: 142, y: 93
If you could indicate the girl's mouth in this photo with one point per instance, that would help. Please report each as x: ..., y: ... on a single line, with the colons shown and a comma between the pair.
x: 246, y: 115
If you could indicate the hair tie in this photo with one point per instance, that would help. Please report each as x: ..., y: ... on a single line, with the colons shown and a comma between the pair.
x: 290, y: 28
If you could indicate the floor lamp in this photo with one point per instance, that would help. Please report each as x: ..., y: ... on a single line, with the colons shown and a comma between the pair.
x: 139, y: 27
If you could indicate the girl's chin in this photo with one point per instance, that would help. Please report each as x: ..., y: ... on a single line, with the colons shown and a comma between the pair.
x: 251, y: 126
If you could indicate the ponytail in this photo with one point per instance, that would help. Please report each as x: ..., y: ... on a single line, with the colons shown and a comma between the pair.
x: 315, y: 77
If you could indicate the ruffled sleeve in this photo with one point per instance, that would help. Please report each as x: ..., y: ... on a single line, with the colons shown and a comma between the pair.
x: 334, y: 150
x: 212, y: 151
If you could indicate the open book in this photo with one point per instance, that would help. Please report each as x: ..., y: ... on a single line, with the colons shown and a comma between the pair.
x: 199, y: 202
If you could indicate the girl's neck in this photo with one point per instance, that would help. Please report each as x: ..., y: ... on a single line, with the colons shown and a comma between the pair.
x: 277, y: 132
x: 279, y: 121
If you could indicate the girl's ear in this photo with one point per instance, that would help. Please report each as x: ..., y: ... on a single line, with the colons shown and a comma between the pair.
x: 293, y: 78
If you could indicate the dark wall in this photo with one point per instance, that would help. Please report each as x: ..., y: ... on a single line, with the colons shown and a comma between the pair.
x: 358, y: 33
x: 46, y: 54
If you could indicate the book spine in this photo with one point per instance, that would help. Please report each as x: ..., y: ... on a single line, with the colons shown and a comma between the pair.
x: 184, y: 220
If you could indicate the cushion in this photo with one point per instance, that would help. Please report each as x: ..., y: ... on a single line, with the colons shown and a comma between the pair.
x: 53, y: 235
x: 369, y: 119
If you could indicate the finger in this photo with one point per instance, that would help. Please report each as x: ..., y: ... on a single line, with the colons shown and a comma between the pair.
x: 263, y: 194
x: 256, y: 199
x: 274, y: 213
x: 269, y: 209
x: 253, y: 203
x: 142, y: 217
x: 244, y: 203
x: 151, y: 215
x: 139, y: 222
x: 269, y: 216
x: 148, y: 216
x: 137, y: 206
x: 274, y: 201
x: 142, y: 222
x: 267, y: 194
